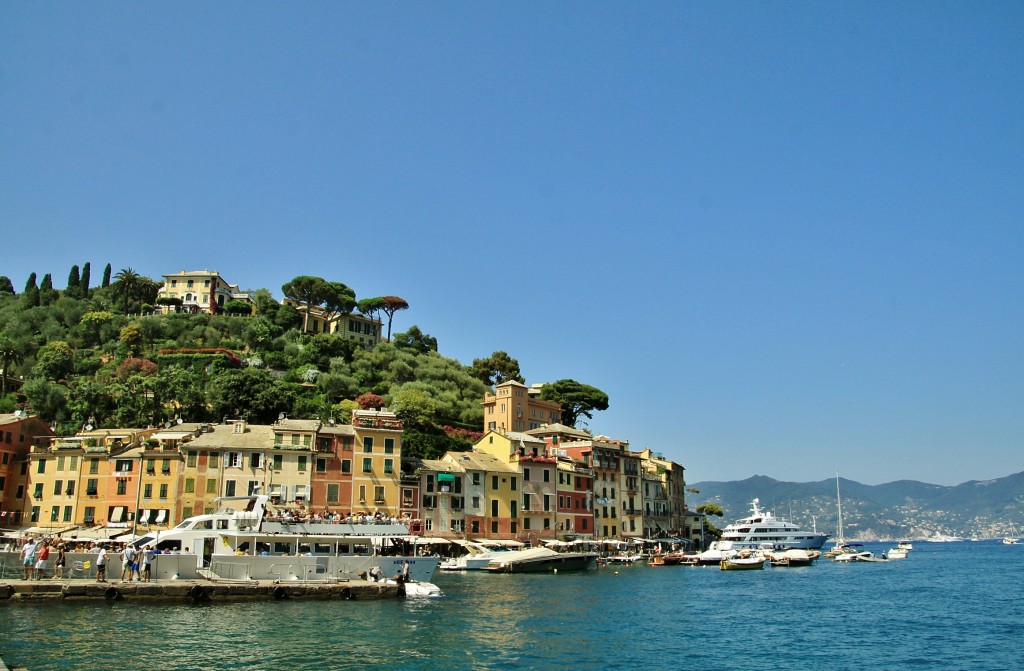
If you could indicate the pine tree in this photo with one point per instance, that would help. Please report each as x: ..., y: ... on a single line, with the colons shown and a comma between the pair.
x: 74, y: 280
x: 83, y: 285
x: 106, y: 277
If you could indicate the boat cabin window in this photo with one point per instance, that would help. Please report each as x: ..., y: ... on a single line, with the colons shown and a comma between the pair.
x: 344, y: 549
x: 243, y: 548
x: 222, y: 524
x: 204, y: 524
x: 174, y: 546
x: 282, y: 548
x: 362, y: 550
x: 187, y: 524
x: 263, y: 548
x: 323, y: 548
x: 303, y: 548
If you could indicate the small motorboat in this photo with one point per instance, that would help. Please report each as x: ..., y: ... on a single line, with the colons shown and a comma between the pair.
x: 743, y: 563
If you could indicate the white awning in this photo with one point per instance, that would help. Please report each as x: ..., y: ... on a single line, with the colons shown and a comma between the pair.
x: 170, y: 435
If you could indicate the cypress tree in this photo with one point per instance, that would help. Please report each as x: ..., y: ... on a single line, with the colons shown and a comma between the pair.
x: 106, y: 277
x: 83, y: 285
x: 46, y: 293
x: 73, y: 282
x: 6, y: 287
x: 31, y: 294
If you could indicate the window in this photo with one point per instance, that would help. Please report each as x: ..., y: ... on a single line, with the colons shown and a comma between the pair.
x: 494, y: 527
x: 346, y: 443
x: 430, y: 482
x: 428, y: 524
x: 190, y: 485
x: 494, y: 507
x: 302, y: 462
x: 163, y: 491
x: 307, y: 439
x: 321, y: 465
x: 54, y: 513
x: 147, y: 491
x: 526, y: 524
x: 475, y: 526
x: 526, y: 475
x: 526, y: 502
x: 165, y: 466
x: 41, y: 468
x: 278, y: 461
x: 91, y: 487
x: 122, y: 486
x: 494, y: 482
x: 389, y: 466
x: 67, y: 513
x: 346, y: 465
x: 476, y: 503
x: 389, y: 446
x: 512, y: 482
x: 211, y: 486
x: 367, y: 465
x: 123, y: 465
x: 295, y: 439
x: 367, y: 444
x: 57, y: 485
x: 458, y: 503
x: 190, y: 459
x: 233, y: 460
x: 229, y: 488
x: 256, y: 460
x: 38, y: 492
x: 151, y: 466
x: 89, y: 515
x: 547, y: 475
x: 378, y: 494
x: 252, y: 487
x: 74, y: 462
x: 362, y: 493
x: 515, y: 508
x: 514, y: 527
x: 476, y: 479
x: 547, y: 502
x: 214, y: 460
x: 333, y: 493
x: 60, y: 459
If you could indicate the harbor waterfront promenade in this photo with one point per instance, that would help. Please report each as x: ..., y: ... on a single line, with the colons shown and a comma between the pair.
x: 947, y: 606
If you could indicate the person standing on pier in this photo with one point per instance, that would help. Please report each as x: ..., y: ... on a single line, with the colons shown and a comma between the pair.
x: 28, y: 559
x: 101, y: 565
x: 147, y: 563
x: 41, y: 558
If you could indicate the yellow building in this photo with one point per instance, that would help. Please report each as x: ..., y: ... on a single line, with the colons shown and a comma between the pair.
x: 86, y: 480
x: 364, y: 330
x: 200, y: 291
x: 291, y: 461
x: 515, y: 407
x: 492, y: 495
x: 376, y: 467
x: 537, y: 472
x: 162, y: 477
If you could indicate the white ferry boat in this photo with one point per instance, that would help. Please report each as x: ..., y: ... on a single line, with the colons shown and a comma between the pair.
x: 244, y: 542
x: 763, y: 530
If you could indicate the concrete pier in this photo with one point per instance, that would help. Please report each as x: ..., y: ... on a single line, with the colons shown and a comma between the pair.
x: 193, y: 591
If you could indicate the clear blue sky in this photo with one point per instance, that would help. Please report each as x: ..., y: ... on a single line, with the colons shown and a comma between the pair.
x: 785, y: 238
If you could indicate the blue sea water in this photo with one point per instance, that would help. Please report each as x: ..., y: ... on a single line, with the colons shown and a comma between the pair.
x: 948, y: 606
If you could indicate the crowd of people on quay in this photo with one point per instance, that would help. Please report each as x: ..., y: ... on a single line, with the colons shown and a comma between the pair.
x: 47, y: 557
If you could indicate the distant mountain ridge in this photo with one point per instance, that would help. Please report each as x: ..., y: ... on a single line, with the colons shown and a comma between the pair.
x: 977, y: 508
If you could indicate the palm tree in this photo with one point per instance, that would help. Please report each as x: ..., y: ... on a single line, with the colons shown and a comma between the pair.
x: 126, y: 284
x: 9, y: 354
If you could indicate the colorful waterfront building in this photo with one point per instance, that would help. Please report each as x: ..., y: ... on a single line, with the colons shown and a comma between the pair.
x: 575, y: 504
x: 377, y: 461
x: 491, y: 495
x: 443, y: 501
x: 227, y: 459
x: 289, y: 463
x: 332, y: 474
x: 537, y: 472
x: 162, y: 477
x: 19, y: 433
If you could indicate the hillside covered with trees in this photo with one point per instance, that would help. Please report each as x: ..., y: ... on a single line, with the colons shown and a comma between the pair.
x: 102, y: 355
